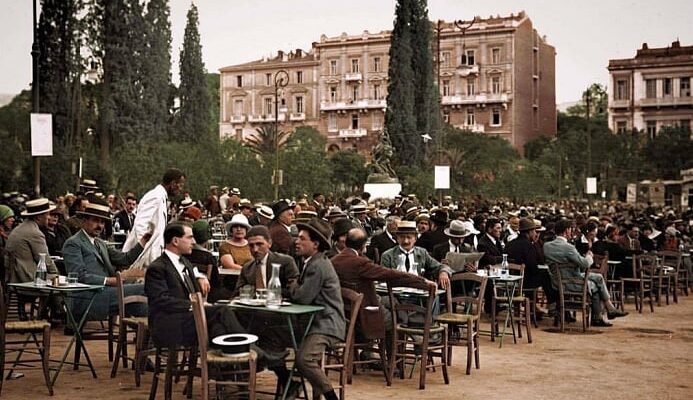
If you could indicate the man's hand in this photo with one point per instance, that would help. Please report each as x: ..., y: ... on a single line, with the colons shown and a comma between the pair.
x: 204, y: 285
x: 111, y: 281
x: 145, y: 238
x: 444, y: 280
x: 469, y: 267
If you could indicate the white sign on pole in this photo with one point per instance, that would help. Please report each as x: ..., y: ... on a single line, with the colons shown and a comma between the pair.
x: 591, y: 185
x: 41, y: 134
x: 442, y: 177
x: 631, y: 193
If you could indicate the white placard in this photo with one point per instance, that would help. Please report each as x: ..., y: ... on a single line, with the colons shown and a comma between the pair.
x: 442, y: 177
x: 41, y: 134
x: 631, y: 193
x: 591, y: 185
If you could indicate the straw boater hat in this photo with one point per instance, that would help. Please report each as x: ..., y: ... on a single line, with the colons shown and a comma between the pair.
x: 423, y: 216
x: 457, y: 229
x: 185, y: 203
x: 335, y: 212
x: 305, y: 216
x: 245, y: 203
x: 359, y: 208
x: 320, y: 227
x: 265, y: 211
x: 37, y: 207
x: 213, y: 187
x: 527, y: 224
x: 235, y: 191
x: 88, y: 184
x: 405, y: 227
x: 96, y: 210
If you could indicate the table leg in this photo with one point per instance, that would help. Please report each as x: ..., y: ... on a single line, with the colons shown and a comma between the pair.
x: 295, y: 345
x: 510, y: 310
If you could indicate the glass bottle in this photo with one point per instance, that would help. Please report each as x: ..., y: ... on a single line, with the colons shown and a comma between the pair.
x: 400, y: 263
x: 274, y: 289
x: 41, y: 271
x: 414, y: 269
x: 504, y: 266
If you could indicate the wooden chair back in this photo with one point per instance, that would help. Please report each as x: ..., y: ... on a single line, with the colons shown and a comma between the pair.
x: 471, y: 301
x: 573, y: 292
x: 601, y: 264
x: 413, y: 308
x: 671, y: 259
x: 354, y: 300
x: 201, y: 328
x: 125, y: 300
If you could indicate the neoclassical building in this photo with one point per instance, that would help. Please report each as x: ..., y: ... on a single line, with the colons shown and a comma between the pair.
x: 496, y: 77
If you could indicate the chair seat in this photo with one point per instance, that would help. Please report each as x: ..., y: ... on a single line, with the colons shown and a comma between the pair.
x: 419, y: 331
x: 216, y: 356
x: 136, y: 321
x: 516, y: 299
x: 26, y: 326
x: 454, y: 318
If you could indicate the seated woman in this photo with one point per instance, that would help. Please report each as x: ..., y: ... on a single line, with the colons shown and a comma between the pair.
x: 234, y: 252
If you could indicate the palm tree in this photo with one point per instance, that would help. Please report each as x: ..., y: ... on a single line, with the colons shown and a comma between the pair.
x: 263, y: 142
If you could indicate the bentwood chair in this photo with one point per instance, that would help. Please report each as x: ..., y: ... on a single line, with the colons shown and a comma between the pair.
x: 520, y: 304
x: 678, y: 275
x: 128, y: 324
x: 339, y: 357
x: 217, y: 368
x: 640, y: 283
x: 573, y: 293
x: 464, y: 311
x: 414, y: 342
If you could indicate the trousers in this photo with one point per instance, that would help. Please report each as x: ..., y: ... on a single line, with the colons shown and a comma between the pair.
x: 308, y: 362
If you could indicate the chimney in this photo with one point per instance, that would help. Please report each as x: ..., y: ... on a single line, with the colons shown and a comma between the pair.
x: 280, y: 55
x: 676, y: 44
x: 299, y: 53
x: 644, y: 46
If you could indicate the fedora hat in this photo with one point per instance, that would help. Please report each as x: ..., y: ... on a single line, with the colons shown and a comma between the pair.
x: 305, y: 216
x: 335, y: 212
x: 96, y: 210
x: 320, y: 227
x: 469, y: 225
x: 457, y: 229
x: 527, y: 224
x: 405, y: 227
x: 440, y: 217
x: 265, y: 211
x: 37, y: 207
x: 341, y: 227
x: 279, y: 207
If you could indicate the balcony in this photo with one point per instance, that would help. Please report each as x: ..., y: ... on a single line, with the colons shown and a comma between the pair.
x: 237, y: 119
x: 476, y: 99
x: 353, y: 76
x: 352, y: 133
x: 466, y: 70
x: 496, y: 98
x: 476, y: 128
x: 265, y: 118
x: 668, y: 101
x: 625, y: 103
x: 297, y: 116
x: 352, y: 105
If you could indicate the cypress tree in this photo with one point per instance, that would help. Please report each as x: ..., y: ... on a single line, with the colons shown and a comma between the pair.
x: 399, y: 116
x: 195, y: 114
x: 156, y: 68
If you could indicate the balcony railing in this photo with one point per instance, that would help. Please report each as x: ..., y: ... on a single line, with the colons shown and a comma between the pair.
x: 466, y: 70
x: 297, y: 116
x: 666, y: 101
x: 236, y: 119
x: 352, y: 105
x: 353, y: 76
x: 478, y: 128
x: 265, y: 118
x: 476, y: 99
x: 352, y: 133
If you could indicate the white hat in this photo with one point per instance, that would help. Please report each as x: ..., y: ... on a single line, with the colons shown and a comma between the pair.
x: 239, y: 219
x: 265, y: 211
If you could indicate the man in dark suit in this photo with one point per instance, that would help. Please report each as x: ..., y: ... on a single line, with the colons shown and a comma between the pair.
x: 490, y: 244
x: 318, y: 285
x: 383, y: 241
x: 169, y: 281
x: 126, y: 216
x: 435, y: 236
x: 96, y: 264
x: 280, y: 227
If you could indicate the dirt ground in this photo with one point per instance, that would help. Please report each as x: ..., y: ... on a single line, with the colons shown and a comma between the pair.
x: 643, y: 356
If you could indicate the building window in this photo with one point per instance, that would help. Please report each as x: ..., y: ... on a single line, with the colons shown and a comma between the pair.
x: 496, y: 117
x: 238, y: 107
x: 269, y: 110
x: 354, y: 93
x: 354, y: 121
x: 621, y: 127
x: 471, y: 119
x: 377, y: 120
x: 495, y: 55
x: 239, y: 133
x: 445, y: 59
x: 622, y: 89
x: 239, y: 80
x: 376, y: 64
x: 299, y: 104
x: 496, y: 85
x: 299, y: 76
x: 333, y: 67
x: 666, y: 87
x: 651, y: 88
x: 470, y: 57
x: 685, y: 86
x: 471, y: 87
x: 355, y: 66
x: 651, y: 129
x: 268, y: 79
x: 446, y: 116
x: 376, y: 92
x: 332, y: 122
x: 446, y: 87
x: 333, y: 94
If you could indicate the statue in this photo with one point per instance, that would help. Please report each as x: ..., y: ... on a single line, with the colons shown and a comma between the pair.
x: 380, y: 170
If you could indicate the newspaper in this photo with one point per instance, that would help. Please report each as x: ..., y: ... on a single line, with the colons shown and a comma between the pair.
x: 457, y: 261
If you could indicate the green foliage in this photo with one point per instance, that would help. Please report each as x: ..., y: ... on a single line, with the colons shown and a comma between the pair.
x: 156, y: 68
x: 305, y: 165
x: 195, y: 109
x: 15, y: 139
x: 264, y: 142
x: 213, y: 94
x: 669, y: 152
x: 348, y: 171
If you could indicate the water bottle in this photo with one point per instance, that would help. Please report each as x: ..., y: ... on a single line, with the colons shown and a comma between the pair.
x: 274, y: 289
x: 41, y: 271
x: 504, y: 266
x: 116, y: 226
x: 414, y: 269
x: 400, y: 263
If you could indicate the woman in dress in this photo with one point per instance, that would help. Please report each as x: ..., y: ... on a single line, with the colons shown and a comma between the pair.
x: 234, y: 252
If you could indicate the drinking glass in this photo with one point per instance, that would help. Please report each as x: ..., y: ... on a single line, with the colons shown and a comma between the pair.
x: 72, y: 278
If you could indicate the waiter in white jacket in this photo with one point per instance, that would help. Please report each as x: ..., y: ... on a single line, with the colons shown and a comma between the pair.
x: 152, y: 216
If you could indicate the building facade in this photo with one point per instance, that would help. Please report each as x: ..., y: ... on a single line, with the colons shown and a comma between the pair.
x: 496, y: 77
x: 651, y: 90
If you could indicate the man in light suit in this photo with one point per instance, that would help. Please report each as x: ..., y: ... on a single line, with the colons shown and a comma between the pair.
x: 415, y: 259
x: 152, y: 216
x: 560, y: 251
x: 96, y: 264
x: 26, y: 241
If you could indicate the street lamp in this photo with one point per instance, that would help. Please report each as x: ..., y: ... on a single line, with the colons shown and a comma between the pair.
x: 281, y: 79
x: 35, y: 52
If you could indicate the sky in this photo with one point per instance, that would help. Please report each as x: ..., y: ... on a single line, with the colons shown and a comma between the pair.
x: 585, y: 33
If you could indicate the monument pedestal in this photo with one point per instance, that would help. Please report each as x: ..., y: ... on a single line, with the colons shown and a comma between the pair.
x: 382, y: 190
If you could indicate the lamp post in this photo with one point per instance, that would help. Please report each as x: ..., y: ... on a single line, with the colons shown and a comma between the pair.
x: 35, y: 52
x: 281, y: 79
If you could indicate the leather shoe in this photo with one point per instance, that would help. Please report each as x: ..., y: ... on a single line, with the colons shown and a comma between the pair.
x: 616, y: 314
x: 602, y: 323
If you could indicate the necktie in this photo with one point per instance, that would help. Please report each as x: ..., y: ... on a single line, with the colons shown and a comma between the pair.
x: 259, y: 280
x: 189, y: 285
x: 406, y: 262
